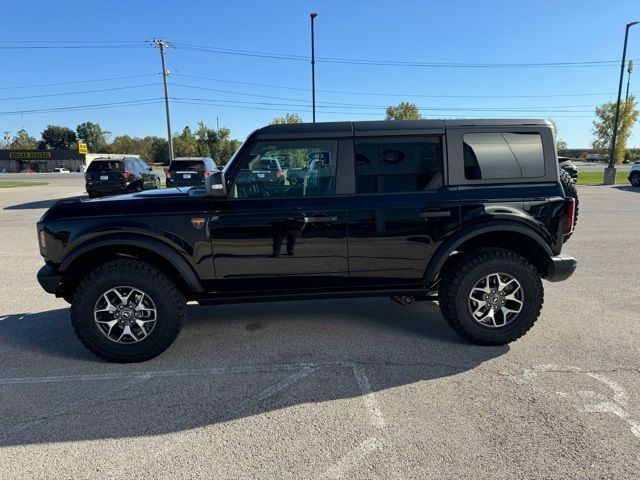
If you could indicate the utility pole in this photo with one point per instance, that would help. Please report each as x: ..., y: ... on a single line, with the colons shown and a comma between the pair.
x: 610, y: 171
x: 313, y: 68
x: 629, y: 71
x: 162, y: 45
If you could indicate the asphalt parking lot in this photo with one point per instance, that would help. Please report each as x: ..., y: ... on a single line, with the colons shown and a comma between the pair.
x: 358, y: 388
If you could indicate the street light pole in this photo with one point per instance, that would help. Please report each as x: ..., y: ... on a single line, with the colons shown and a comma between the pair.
x: 610, y: 171
x: 313, y: 68
x: 629, y: 71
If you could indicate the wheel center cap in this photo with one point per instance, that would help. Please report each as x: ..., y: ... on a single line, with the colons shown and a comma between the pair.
x: 494, y: 299
x: 126, y: 314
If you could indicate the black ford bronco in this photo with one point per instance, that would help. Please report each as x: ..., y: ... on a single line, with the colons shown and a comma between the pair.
x: 469, y: 213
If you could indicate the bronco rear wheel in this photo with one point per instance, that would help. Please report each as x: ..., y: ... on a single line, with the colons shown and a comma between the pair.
x: 493, y: 296
x: 127, y: 311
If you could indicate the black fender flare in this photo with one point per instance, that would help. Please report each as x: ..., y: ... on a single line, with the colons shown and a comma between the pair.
x: 140, y: 241
x: 452, y: 243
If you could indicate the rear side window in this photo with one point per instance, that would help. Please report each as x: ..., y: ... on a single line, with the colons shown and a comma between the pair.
x: 498, y: 155
x: 187, y: 166
x: 388, y: 165
x: 99, y: 165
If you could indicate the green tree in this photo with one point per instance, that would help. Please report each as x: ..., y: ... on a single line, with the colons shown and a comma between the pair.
x: 23, y: 141
x: 55, y: 136
x: 560, y: 143
x: 158, y: 150
x: 185, y: 144
x: 403, y: 111
x: 603, y: 126
x: 151, y: 149
x: 288, y: 118
x: 92, y: 134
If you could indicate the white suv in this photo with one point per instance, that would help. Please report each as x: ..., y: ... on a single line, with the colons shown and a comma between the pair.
x: 634, y: 174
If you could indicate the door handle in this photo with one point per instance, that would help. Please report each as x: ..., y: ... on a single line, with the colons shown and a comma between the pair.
x: 320, y: 219
x: 435, y: 214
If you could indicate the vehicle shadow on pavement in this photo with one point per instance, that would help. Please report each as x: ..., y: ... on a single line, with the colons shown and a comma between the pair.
x: 627, y: 188
x: 39, y: 203
x: 231, y: 362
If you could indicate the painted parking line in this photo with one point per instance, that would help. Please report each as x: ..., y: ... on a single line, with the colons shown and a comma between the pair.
x: 585, y: 401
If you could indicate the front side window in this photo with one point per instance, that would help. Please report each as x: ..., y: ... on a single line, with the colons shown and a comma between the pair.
x: 391, y: 165
x: 300, y: 168
x: 503, y: 155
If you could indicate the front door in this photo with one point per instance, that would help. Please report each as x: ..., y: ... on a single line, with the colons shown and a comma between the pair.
x: 272, y: 235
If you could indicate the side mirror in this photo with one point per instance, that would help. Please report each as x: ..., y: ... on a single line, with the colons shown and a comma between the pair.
x: 216, y: 185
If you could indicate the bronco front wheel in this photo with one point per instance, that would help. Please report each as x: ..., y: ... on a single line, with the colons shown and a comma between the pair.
x: 127, y: 311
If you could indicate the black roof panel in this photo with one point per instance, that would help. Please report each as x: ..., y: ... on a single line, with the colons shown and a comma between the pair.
x: 382, y: 127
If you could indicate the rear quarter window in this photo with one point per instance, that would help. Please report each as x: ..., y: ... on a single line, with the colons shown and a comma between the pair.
x: 499, y: 155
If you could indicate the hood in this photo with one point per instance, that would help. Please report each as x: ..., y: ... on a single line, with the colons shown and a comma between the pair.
x: 150, y: 202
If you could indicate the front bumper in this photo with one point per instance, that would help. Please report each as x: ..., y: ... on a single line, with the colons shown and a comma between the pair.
x: 50, y: 280
x: 560, y: 268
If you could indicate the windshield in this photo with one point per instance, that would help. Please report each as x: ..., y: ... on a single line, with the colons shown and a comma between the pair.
x: 97, y: 165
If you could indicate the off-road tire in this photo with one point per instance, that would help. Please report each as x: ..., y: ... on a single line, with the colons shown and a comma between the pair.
x: 634, y: 179
x: 169, y: 300
x: 456, y: 285
x: 570, y: 190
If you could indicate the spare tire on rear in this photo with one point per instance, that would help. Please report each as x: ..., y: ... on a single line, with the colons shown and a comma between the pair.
x: 570, y: 190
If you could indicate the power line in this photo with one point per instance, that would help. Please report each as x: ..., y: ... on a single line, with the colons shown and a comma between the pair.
x: 95, y: 80
x: 145, y: 101
x: 356, y: 61
x: 308, y: 110
x: 383, y: 94
x: 342, y: 104
x: 59, y: 94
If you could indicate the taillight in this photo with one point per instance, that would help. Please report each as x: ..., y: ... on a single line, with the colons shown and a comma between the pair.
x: 127, y: 176
x: 571, y: 215
x: 168, y: 175
x: 280, y: 173
x: 207, y: 173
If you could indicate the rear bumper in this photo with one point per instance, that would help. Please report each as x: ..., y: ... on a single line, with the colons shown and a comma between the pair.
x: 50, y: 280
x: 560, y: 268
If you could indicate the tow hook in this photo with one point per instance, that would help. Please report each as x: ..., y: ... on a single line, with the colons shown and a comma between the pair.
x: 403, y: 299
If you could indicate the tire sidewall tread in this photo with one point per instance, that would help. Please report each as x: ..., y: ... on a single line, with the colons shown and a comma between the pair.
x: 169, y: 301
x: 455, y: 286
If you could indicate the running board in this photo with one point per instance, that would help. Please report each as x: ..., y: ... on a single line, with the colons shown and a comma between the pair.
x: 421, y: 294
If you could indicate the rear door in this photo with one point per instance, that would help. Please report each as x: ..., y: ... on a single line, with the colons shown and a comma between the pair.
x: 402, y: 208
x: 274, y: 236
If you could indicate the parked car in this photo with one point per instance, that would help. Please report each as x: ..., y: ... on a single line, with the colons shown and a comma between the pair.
x: 476, y: 229
x: 189, y: 171
x: 634, y: 174
x: 28, y: 170
x: 113, y: 175
x: 308, y: 173
x: 265, y: 170
x: 568, y: 166
x: 592, y: 157
x: 61, y: 170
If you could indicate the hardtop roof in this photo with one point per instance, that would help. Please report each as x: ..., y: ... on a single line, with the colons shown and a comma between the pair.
x: 343, y: 129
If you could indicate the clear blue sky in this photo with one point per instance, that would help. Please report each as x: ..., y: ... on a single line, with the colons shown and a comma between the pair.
x: 453, y: 32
